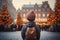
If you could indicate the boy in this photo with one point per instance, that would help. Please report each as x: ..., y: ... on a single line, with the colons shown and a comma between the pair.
x: 30, y: 30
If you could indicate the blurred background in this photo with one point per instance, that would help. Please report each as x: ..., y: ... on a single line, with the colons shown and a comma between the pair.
x: 13, y: 14
x: 13, y: 17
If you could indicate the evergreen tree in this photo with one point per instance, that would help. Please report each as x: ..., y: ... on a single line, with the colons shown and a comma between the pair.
x: 51, y: 18
x: 1, y: 22
x: 19, y: 19
x: 5, y: 15
x: 57, y: 12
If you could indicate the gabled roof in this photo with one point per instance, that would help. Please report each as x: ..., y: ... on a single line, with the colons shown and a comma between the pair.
x: 46, y: 7
x: 31, y: 5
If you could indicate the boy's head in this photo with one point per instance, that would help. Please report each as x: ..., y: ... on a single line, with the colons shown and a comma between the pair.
x: 31, y: 16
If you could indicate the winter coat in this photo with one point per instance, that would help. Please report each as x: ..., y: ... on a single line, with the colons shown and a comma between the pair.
x: 30, y: 24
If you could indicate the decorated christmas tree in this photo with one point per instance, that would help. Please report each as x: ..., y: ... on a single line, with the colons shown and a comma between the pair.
x: 1, y: 22
x: 19, y: 19
x: 57, y: 12
x: 5, y: 15
x: 51, y: 18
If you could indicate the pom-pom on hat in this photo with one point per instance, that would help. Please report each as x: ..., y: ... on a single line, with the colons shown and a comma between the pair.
x: 31, y: 16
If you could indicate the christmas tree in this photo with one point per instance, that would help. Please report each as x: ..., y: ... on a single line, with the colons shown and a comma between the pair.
x: 19, y: 19
x: 5, y: 15
x: 57, y: 12
x: 1, y: 22
x: 51, y: 18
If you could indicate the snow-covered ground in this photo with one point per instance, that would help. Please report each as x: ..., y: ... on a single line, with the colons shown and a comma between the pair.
x: 17, y: 35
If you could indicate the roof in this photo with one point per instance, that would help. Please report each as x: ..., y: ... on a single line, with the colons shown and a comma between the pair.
x: 31, y: 5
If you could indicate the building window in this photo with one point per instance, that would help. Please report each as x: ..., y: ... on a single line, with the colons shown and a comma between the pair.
x: 39, y: 10
x: 36, y: 15
x: 43, y: 15
x: 24, y: 15
x: 47, y: 15
x: 35, y: 9
x: 27, y: 10
x: 43, y: 20
x: 39, y: 15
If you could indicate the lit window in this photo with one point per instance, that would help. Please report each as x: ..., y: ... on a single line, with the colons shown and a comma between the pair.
x: 27, y: 10
x: 35, y: 9
x: 39, y: 15
x: 39, y: 10
x: 47, y: 15
x: 36, y: 15
x: 43, y: 15
x: 43, y: 19
x: 24, y: 15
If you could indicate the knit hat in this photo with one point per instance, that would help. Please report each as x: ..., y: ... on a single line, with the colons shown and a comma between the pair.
x: 31, y: 16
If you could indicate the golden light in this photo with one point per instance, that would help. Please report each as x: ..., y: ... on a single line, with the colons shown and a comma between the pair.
x: 15, y: 20
x: 43, y: 15
x: 24, y: 15
x: 36, y: 15
x: 43, y: 20
x: 39, y: 14
x: 47, y: 15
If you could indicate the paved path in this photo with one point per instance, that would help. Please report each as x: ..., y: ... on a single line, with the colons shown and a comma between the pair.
x: 17, y: 35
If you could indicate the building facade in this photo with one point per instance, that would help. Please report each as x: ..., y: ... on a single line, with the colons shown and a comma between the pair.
x: 31, y: 7
x: 45, y: 12
x: 41, y: 11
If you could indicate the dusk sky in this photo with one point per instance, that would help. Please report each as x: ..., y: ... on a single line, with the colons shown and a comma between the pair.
x: 19, y: 3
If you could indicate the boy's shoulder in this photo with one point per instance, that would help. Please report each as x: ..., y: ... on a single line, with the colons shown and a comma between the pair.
x: 24, y: 27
